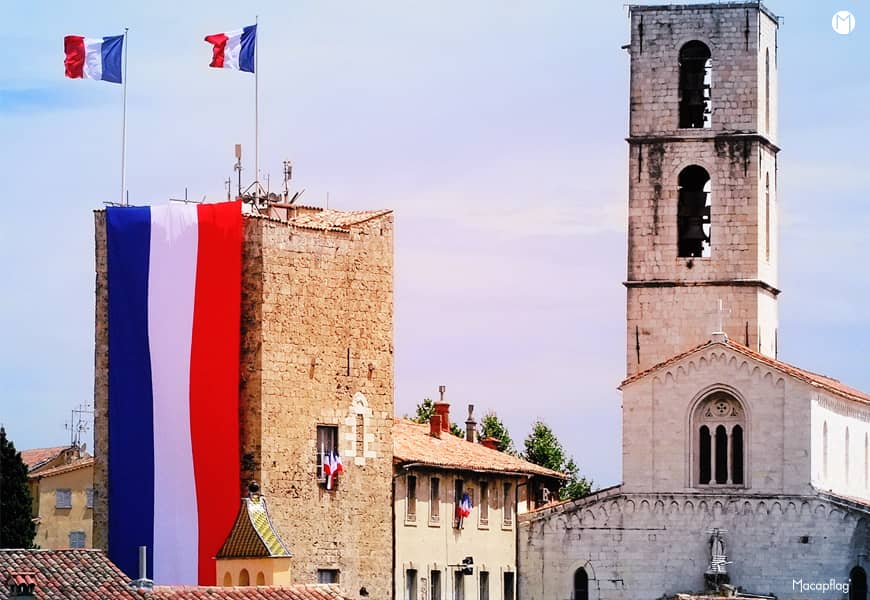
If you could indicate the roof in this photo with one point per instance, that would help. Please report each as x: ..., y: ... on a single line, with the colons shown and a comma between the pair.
x: 822, y: 382
x: 36, y: 457
x: 66, y: 574
x: 293, y: 592
x: 253, y: 535
x: 413, y: 444
x: 73, y: 466
x: 322, y: 219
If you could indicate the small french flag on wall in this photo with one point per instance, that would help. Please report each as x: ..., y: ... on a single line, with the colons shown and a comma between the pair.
x: 94, y: 58
x: 234, y: 49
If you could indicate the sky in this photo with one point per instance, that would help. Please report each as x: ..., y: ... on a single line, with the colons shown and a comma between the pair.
x: 495, y: 131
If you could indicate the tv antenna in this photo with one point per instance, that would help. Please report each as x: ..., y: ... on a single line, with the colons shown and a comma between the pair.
x: 80, y: 421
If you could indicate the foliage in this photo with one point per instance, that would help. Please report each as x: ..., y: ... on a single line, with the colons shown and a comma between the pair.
x: 543, y: 448
x: 424, y: 412
x: 17, y: 528
x: 492, y: 426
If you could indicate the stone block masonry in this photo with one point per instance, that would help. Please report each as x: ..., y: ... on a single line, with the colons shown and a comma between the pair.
x: 316, y: 349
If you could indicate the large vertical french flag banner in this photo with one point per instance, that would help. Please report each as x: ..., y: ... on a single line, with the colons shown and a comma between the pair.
x: 174, y: 301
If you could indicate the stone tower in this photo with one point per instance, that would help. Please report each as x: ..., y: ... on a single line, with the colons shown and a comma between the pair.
x: 702, y: 179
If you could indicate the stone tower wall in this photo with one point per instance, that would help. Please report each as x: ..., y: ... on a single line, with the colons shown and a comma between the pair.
x: 671, y: 299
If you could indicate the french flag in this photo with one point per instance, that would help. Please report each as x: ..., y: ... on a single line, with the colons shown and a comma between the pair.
x: 174, y: 298
x: 234, y: 49
x: 93, y: 58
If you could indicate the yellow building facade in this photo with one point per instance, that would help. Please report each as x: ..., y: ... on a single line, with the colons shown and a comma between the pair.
x: 63, y: 501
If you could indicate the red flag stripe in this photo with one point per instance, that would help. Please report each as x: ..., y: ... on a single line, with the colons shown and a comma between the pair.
x: 74, y: 61
x: 219, y: 40
x: 214, y: 378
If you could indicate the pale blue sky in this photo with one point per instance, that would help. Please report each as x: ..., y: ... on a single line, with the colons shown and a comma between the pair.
x: 495, y: 130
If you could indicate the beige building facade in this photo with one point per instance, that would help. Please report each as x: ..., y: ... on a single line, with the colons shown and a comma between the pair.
x: 64, y: 499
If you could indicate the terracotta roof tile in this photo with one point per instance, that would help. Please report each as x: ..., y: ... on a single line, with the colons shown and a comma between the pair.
x: 324, y: 219
x: 413, y: 444
x: 253, y: 534
x: 292, y: 592
x: 823, y: 382
x: 35, y: 457
x: 73, y: 466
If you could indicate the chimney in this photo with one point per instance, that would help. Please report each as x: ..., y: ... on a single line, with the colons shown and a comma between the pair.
x: 143, y: 583
x: 490, y: 442
x: 470, y: 424
x: 435, y: 426
x: 22, y: 585
x: 442, y: 409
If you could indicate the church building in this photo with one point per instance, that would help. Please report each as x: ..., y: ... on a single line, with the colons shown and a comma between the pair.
x: 739, y: 470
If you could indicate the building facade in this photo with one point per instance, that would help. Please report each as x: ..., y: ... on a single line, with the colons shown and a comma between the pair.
x: 316, y: 378
x: 738, y: 469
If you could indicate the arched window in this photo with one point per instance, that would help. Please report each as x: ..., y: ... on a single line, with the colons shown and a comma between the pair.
x: 719, y: 423
x: 696, y: 69
x: 581, y: 585
x: 767, y: 90
x: 825, y: 451
x: 693, y: 212
x: 244, y: 578
x: 866, y: 462
x: 228, y: 579
x: 261, y: 579
x: 846, y: 449
x: 767, y: 216
x: 857, y: 584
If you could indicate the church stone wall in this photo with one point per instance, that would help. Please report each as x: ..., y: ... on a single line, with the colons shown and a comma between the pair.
x: 848, y: 456
x: 660, y: 450
x: 642, y: 546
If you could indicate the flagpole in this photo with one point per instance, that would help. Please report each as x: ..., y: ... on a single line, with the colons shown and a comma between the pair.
x: 257, y: 109
x: 124, y: 127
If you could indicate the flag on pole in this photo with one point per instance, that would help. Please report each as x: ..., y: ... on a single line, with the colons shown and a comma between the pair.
x: 94, y: 58
x: 234, y: 49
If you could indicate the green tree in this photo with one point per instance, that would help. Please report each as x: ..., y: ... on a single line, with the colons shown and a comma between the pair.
x: 492, y: 426
x: 543, y: 448
x: 424, y: 412
x: 17, y: 529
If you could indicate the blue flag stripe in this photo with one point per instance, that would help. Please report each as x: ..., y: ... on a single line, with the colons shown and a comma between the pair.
x: 131, y: 436
x: 249, y: 45
x: 111, y: 53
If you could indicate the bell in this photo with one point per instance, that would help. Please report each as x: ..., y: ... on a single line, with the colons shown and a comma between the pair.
x: 695, y: 230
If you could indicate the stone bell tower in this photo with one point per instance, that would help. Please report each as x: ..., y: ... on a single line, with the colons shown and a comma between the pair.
x: 702, y: 217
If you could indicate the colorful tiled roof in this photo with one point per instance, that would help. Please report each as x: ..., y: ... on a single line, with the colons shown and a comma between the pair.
x: 823, y: 382
x: 413, y: 444
x: 253, y: 535
x: 36, y: 457
x: 293, y: 592
x: 73, y: 466
x: 66, y: 574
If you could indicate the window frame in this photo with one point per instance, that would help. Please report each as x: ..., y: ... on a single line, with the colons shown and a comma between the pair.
x: 483, y: 505
x: 718, y: 409
x: 410, y: 499
x: 411, y: 582
x: 80, y: 535
x: 333, y: 575
x: 60, y: 493
x: 508, y: 508
x: 330, y: 444
x: 435, y: 501
x: 435, y: 585
x: 89, y: 497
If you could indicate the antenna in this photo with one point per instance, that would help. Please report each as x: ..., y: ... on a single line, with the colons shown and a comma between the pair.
x: 288, y: 175
x: 228, y: 183
x: 79, y: 423
x: 238, y: 166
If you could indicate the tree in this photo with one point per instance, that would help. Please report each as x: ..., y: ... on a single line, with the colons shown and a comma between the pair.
x: 426, y: 409
x: 543, y: 448
x: 492, y: 426
x: 17, y: 529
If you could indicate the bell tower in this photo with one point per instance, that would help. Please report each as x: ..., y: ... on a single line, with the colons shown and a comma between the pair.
x: 702, y: 216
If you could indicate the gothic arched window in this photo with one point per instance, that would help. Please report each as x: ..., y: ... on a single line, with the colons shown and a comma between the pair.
x: 581, y: 584
x: 767, y: 90
x: 858, y: 584
x: 847, y: 455
x: 693, y: 212
x: 719, y: 423
x: 767, y: 216
x: 696, y: 68
x: 825, y: 451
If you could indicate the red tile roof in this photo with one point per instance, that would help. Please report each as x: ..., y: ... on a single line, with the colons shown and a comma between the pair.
x: 823, y: 382
x: 35, y: 457
x: 294, y: 592
x: 73, y: 466
x: 413, y: 444
x: 323, y: 219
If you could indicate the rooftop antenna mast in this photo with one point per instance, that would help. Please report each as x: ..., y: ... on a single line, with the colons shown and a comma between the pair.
x: 238, y: 166
x: 79, y: 423
x: 288, y: 175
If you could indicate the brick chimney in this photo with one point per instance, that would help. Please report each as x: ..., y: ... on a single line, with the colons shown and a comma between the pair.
x: 470, y: 424
x: 442, y: 409
x: 22, y: 585
x: 435, y: 426
x: 490, y: 442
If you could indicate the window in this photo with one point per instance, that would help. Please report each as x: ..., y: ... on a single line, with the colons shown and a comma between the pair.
x: 261, y: 579
x: 508, y: 593
x: 846, y: 457
x: 866, y: 462
x: 858, y: 581
x: 89, y: 497
x: 228, y: 579
x: 63, y: 498
x: 696, y: 69
x: 458, y: 492
x: 411, y: 513
x: 767, y: 216
x: 825, y: 451
x: 411, y: 584
x: 327, y: 575
x: 767, y: 90
x: 458, y: 585
x: 507, y: 503
x: 360, y: 435
x: 327, y: 443
x: 435, y: 585
x: 77, y: 539
x: 581, y: 585
x: 693, y: 212
x: 434, y: 500
x: 484, y: 503
x: 484, y: 586
x: 244, y: 577
x: 719, y: 422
